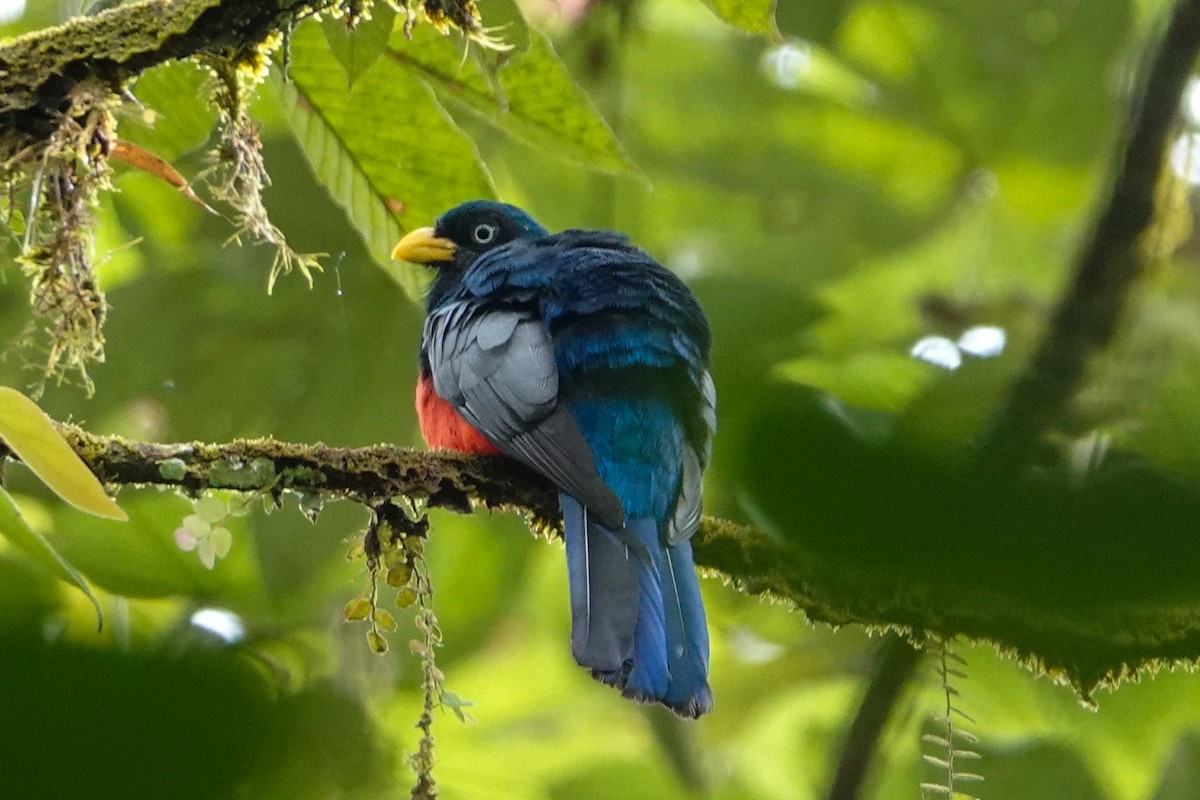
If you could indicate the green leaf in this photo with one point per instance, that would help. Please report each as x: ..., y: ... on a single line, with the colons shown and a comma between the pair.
x: 32, y: 436
x: 176, y: 118
x: 752, y: 16
x: 14, y: 528
x: 531, y: 97
x: 142, y: 558
x: 211, y: 509
x: 357, y: 609
x: 198, y: 526
x: 384, y: 150
x: 358, y: 48
x: 221, y: 540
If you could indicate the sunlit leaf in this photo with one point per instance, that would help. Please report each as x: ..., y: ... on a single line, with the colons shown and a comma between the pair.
x: 754, y: 16
x: 358, y: 48
x: 384, y: 150
x: 32, y: 436
x: 357, y: 609
x: 531, y: 96
x: 175, y: 117
x: 211, y: 509
x: 198, y: 526
x: 376, y: 642
x: 207, y: 551
x: 16, y: 530
x: 221, y: 540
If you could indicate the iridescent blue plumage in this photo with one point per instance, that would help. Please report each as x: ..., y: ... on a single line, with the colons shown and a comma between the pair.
x: 581, y: 356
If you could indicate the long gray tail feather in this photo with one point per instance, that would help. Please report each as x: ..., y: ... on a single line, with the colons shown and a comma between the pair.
x: 604, y: 592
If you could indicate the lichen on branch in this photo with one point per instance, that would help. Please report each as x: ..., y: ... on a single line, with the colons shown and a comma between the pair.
x: 60, y: 90
x: 65, y: 181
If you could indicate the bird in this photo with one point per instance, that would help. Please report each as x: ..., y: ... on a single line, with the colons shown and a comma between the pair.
x: 580, y: 356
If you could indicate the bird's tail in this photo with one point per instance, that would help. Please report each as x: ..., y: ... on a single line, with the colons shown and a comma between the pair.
x: 637, y: 620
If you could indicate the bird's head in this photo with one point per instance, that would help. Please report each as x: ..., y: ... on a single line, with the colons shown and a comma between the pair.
x: 465, y: 232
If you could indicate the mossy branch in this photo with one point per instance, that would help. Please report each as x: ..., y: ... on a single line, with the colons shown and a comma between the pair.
x: 742, y: 555
x: 38, y: 71
x: 1103, y: 647
x: 371, y: 475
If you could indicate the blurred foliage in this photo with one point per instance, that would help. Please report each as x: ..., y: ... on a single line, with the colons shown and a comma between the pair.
x: 869, y: 173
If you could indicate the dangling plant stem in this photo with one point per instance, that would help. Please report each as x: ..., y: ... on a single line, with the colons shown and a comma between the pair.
x: 239, y: 175
x: 949, y: 667
x: 64, y: 187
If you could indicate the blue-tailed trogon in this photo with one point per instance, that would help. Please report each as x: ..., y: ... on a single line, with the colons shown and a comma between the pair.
x: 580, y: 356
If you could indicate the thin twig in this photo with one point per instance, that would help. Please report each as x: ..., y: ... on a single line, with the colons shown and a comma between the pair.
x: 895, y: 664
x: 1111, y: 259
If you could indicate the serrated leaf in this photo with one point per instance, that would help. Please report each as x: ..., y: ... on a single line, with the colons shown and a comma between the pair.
x: 16, y: 530
x: 359, y: 48
x: 752, y: 16
x: 385, y: 150
x: 32, y: 436
x: 532, y: 97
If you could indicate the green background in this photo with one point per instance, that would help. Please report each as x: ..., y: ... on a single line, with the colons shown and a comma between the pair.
x: 870, y: 174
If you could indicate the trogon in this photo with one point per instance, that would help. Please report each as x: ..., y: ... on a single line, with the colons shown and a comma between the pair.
x: 579, y: 355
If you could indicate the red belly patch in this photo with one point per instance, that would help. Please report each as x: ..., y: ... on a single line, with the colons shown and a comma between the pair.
x: 443, y: 427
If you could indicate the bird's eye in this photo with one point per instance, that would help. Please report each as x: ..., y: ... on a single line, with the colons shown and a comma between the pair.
x: 484, y: 233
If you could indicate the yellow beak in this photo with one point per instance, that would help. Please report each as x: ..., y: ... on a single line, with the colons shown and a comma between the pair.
x: 423, y: 247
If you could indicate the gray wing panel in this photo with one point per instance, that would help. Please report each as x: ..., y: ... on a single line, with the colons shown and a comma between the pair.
x: 686, y: 517
x: 496, y: 367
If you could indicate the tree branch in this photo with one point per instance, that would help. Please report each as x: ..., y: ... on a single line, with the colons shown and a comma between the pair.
x: 39, y: 70
x: 370, y: 475
x: 1087, y: 316
x: 895, y: 663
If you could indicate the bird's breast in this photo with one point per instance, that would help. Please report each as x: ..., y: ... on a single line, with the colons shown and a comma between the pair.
x: 443, y: 427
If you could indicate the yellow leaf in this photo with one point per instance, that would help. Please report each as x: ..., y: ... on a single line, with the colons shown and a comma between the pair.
x: 356, y: 609
x: 30, y: 434
x: 377, y: 642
